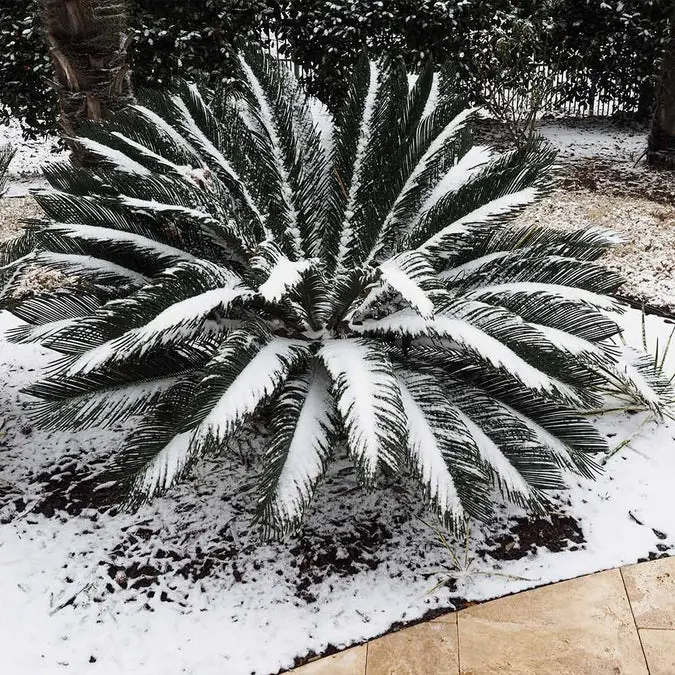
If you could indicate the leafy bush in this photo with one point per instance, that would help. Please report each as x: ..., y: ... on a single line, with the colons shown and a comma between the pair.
x: 354, y: 282
x: 610, y: 49
x: 603, y: 51
x: 6, y: 154
x: 168, y: 38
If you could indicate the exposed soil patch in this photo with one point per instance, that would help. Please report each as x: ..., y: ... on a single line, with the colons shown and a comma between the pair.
x: 527, y: 535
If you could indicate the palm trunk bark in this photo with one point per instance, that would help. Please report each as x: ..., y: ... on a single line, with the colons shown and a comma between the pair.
x: 661, y: 142
x: 88, y: 42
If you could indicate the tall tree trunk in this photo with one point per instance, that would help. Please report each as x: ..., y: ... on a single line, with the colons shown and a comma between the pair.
x: 88, y: 42
x: 661, y: 143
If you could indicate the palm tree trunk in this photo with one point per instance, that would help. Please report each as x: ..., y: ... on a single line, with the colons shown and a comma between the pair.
x: 661, y: 143
x: 88, y: 43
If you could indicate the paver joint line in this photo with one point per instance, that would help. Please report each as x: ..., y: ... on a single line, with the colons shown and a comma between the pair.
x: 632, y: 613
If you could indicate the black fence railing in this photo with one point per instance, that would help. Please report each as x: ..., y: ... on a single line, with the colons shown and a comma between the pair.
x: 558, y: 99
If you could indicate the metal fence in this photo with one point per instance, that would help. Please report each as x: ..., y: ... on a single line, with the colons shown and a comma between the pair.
x: 597, y: 100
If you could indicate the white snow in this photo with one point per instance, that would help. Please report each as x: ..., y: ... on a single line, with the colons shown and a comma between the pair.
x: 268, y: 121
x: 117, y: 158
x: 174, y: 321
x: 489, y: 451
x: 259, y: 378
x: 483, y: 214
x: 325, y: 124
x: 586, y: 139
x: 166, y: 466
x: 359, y: 386
x: 457, y: 175
x: 71, y: 261
x: 307, y: 452
x: 394, y: 218
x: 192, y: 129
x: 166, y: 130
x: 428, y: 456
x: 394, y: 272
x: 365, y: 130
x: 260, y: 624
x: 110, y: 235
x: 284, y: 275
x: 605, y: 302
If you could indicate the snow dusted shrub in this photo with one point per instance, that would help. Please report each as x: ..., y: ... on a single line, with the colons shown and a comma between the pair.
x: 358, y: 279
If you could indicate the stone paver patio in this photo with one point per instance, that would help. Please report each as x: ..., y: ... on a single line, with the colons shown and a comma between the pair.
x: 619, y: 622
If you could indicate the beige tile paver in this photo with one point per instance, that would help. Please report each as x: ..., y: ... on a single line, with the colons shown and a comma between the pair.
x: 350, y: 662
x: 659, y: 646
x: 425, y: 649
x: 651, y: 591
x: 578, y: 627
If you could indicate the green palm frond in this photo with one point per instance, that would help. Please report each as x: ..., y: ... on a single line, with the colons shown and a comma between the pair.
x: 354, y: 279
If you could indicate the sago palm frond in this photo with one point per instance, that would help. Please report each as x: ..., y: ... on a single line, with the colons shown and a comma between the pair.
x: 356, y: 279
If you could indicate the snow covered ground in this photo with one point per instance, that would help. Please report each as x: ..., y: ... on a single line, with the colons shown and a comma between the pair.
x: 184, y: 587
x: 25, y: 168
x: 584, y: 138
x: 576, y: 139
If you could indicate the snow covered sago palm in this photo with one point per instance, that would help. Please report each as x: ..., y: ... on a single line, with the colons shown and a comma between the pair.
x: 357, y: 280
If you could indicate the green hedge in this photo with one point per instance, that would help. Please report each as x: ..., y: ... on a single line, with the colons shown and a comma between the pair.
x: 609, y: 48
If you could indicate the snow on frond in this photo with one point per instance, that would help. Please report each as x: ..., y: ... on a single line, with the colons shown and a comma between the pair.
x: 472, y: 338
x: 303, y: 432
x: 425, y: 444
x: 559, y: 450
x: 432, y: 101
x: 153, y: 206
x: 286, y: 274
x: 508, y: 477
x: 460, y: 271
x: 162, y: 127
x: 325, y: 124
x: 458, y: 174
x: 178, y: 320
x: 285, y: 187
x: 190, y: 127
x: 397, y: 217
x: 639, y: 376
x: 105, y: 235
x: 482, y: 215
x: 165, y: 467
x: 437, y: 145
x: 572, y: 344
x: 102, y: 408
x: 260, y: 378
x: 492, y: 293
x: 86, y: 263
x: 368, y: 401
x: 117, y: 159
x: 179, y: 170
x: 415, y: 279
x: 26, y: 333
x: 365, y: 134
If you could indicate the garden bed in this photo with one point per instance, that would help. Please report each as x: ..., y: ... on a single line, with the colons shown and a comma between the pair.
x: 184, y: 583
